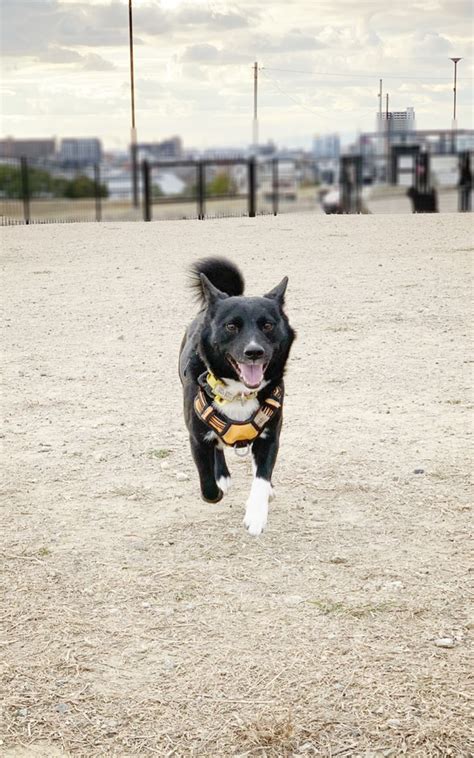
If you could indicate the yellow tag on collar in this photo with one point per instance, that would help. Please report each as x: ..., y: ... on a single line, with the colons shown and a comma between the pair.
x: 222, y: 394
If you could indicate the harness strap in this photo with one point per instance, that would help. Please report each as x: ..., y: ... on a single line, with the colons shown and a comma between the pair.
x: 238, y: 433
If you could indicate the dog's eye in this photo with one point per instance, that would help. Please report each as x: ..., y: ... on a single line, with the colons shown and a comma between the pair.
x: 232, y: 328
x: 267, y: 327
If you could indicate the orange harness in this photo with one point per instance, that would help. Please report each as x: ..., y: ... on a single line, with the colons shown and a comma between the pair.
x: 238, y: 433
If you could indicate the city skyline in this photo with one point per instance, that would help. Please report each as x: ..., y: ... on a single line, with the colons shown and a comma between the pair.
x: 65, y: 68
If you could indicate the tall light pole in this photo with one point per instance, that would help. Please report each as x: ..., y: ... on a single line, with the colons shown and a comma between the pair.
x: 455, y: 61
x: 133, y: 135
x: 454, y: 125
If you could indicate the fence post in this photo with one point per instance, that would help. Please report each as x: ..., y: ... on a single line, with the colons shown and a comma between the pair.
x: 134, y: 151
x: 393, y: 167
x: 98, y: 202
x: 25, y: 189
x: 359, y: 181
x: 464, y: 181
x: 146, y: 191
x: 252, y: 187
x: 201, y: 190
x: 275, y: 195
x: 344, y: 199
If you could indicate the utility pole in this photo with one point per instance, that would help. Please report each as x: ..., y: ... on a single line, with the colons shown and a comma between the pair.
x: 255, y: 113
x: 387, y: 127
x: 380, y: 103
x: 380, y: 131
x: 133, y: 134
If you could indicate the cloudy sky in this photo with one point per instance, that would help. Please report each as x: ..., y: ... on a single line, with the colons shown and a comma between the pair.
x: 66, y: 67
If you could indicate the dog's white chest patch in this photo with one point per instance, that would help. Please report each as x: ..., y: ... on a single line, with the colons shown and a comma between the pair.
x: 238, y: 410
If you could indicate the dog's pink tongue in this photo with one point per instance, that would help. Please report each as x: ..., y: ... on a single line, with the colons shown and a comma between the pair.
x: 252, y: 373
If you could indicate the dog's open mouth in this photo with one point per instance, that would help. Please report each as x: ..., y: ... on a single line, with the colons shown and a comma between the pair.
x: 251, y: 374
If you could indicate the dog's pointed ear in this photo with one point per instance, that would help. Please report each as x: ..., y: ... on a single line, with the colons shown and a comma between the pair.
x: 278, y: 292
x: 211, y: 293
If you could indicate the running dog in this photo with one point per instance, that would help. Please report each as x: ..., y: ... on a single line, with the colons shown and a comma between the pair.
x: 231, y: 366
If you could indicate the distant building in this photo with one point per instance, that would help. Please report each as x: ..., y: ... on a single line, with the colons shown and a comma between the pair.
x: 265, y: 150
x: 293, y: 154
x: 80, y: 151
x: 232, y: 153
x: 168, y: 149
x: 326, y: 146
x: 326, y: 154
x: 398, y: 121
x: 34, y: 149
x: 465, y: 140
x: 118, y: 181
x: 169, y: 183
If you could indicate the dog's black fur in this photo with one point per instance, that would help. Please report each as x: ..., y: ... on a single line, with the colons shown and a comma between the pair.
x: 229, y: 330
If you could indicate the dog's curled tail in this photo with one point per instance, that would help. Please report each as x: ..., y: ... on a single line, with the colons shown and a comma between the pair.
x: 221, y: 272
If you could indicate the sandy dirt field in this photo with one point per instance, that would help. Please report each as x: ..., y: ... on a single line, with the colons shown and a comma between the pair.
x: 138, y: 620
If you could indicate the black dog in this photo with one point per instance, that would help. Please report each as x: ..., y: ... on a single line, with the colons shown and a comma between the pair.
x: 231, y: 366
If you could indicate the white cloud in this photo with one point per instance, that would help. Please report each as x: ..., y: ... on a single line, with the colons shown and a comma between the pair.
x: 193, y: 64
x: 94, y: 62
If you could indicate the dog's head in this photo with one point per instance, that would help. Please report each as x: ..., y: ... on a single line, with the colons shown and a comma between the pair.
x: 247, y: 339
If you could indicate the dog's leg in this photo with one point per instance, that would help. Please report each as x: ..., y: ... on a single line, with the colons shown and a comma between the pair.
x: 221, y: 471
x: 203, y: 454
x: 264, y: 453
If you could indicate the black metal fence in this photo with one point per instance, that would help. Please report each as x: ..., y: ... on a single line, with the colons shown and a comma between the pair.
x: 230, y: 187
x: 45, y: 191
x: 237, y: 195
x: 465, y: 181
x: 41, y: 191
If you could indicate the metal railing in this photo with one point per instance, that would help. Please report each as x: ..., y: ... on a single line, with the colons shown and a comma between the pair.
x: 199, y: 192
x: 44, y: 191
x: 41, y: 191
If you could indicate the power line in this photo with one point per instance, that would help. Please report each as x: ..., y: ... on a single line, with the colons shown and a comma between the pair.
x: 298, y: 102
x: 358, y: 74
x: 287, y: 94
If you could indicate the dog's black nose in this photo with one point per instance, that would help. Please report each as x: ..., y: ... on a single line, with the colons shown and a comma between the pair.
x: 253, y: 353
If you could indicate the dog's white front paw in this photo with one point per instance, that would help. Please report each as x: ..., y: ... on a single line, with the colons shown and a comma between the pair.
x: 256, y: 511
x: 255, y: 517
x: 224, y: 483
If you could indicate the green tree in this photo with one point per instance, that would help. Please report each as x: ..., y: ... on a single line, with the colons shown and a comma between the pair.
x: 156, y: 191
x: 82, y: 186
x: 41, y: 184
x: 221, y: 184
x: 10, y: 181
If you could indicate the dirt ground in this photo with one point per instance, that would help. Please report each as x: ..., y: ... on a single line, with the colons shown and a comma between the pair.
x: 138, y: 620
